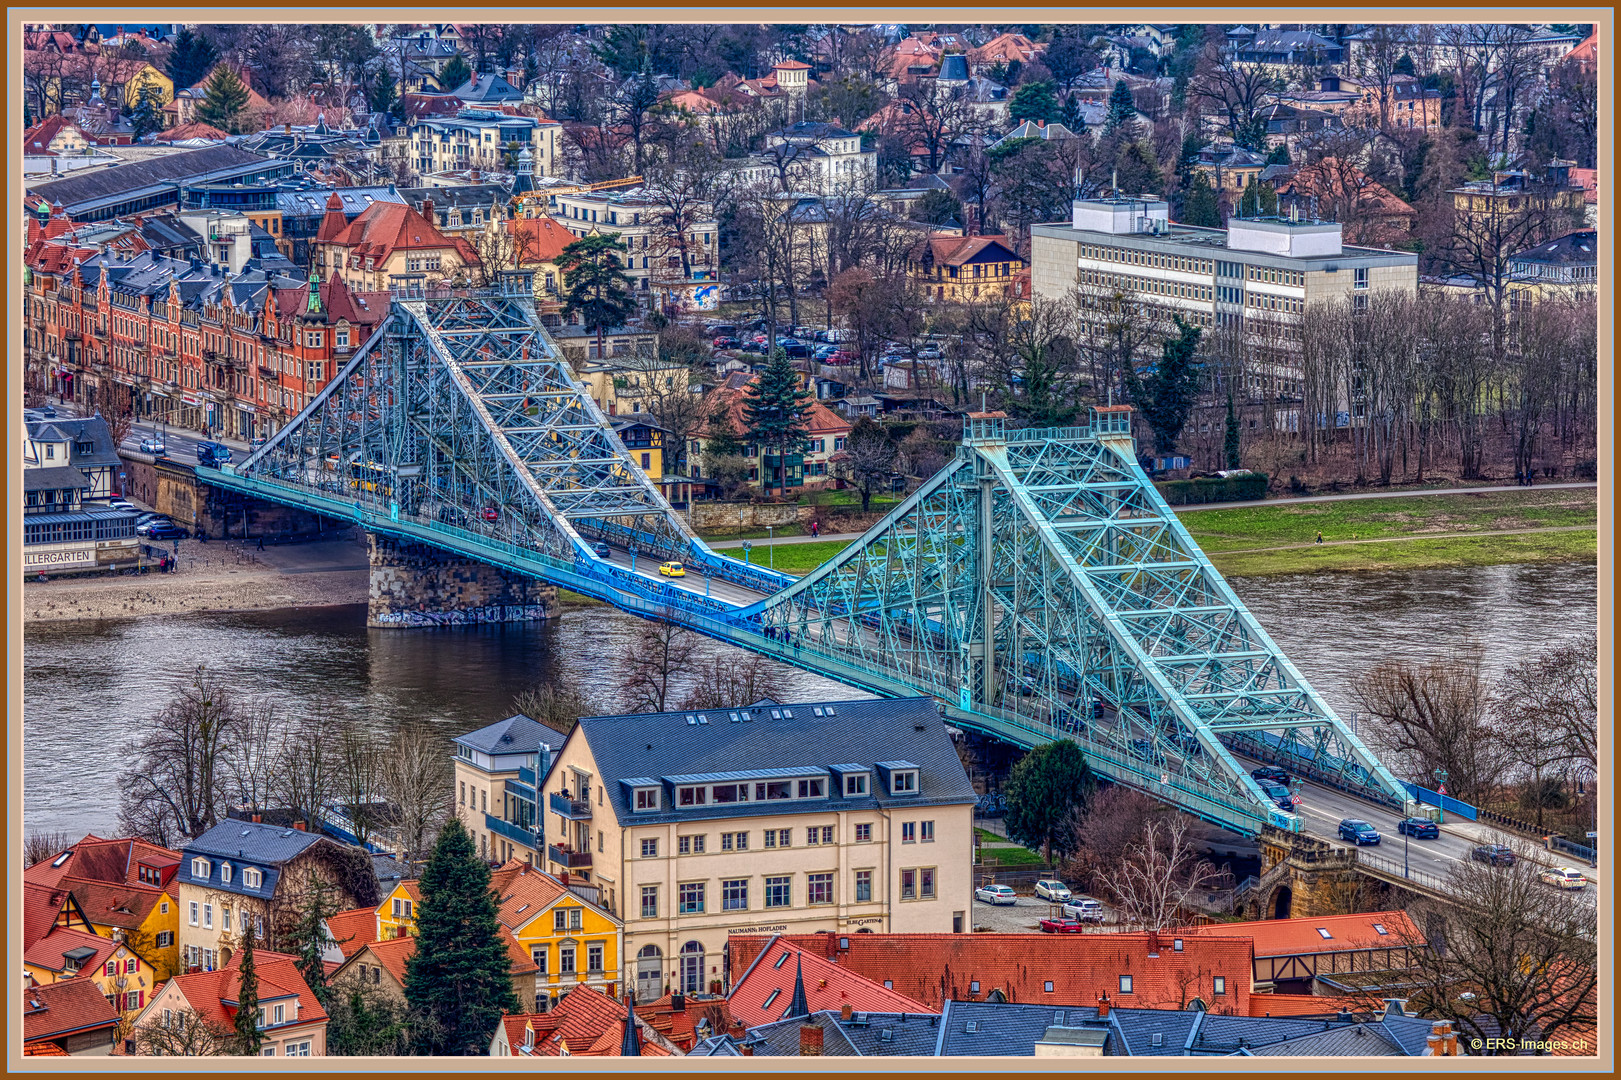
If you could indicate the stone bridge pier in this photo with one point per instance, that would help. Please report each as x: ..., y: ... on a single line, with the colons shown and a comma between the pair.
x: 1302, y: 877
x: 417, y: 585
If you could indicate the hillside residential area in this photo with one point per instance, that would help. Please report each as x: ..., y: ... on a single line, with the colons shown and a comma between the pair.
x: 793, y: 272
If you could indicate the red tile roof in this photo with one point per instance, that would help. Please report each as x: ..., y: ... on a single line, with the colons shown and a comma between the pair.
x: 586, y: 1021
x: 933, y: 968
x: 48, y: 951
x: 37, y: 139
x: 1003, y: 49
x: 208, y: 991
x: 392, y: 956
x: 1301, y: 1004
x: 525, y: 894
x: 353, y: 930
x: 41, y: 905
x: 539, y: 239
x: 194, y: 130
x: 384, y: 228
x: 50, y: 1012
x: 733, y: 397
x: 827, y: 986
x: 44, y: 1049
x: 958, y: 250
x: 1297, y: 937
x: 93, y: 858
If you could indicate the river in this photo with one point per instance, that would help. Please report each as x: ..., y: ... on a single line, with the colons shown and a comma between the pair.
x: 89, y: 685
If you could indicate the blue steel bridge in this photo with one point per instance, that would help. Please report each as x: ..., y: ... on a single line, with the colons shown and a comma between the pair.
x: 1037, y: 587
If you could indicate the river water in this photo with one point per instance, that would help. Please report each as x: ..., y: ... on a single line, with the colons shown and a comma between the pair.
x: 90, y: 685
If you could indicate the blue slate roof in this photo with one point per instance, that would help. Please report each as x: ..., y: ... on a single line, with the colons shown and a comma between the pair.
x: 516, y: 734
x: 242, y: 844
x: 665, y: 745
x: 1355, y: 1040
x: 1004, y: 1029
x: 864, y: 1035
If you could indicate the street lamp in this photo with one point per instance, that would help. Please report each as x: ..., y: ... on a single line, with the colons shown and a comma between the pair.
x: 1440, y: 790
x: 771, y: 552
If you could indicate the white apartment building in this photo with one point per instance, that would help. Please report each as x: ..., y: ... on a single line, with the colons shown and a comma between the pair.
x: 840, y: 816
x: 652, y: 254
x: 480, y: 138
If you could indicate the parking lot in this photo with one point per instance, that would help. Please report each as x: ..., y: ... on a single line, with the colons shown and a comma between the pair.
x: 1021, y: 917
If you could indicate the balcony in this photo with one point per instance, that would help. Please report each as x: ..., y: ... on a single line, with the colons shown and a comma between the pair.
x: 572, y: 809
x: 518, y: 834
x: 570, y: 860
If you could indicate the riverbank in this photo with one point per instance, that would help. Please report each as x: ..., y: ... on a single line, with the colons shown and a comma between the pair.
x: 222, y: 575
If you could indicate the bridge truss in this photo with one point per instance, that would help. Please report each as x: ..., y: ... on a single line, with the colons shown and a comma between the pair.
x: 1038, y: 587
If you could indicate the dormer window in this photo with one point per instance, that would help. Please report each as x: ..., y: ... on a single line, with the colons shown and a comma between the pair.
x: 647, y: 799
x: 252, y: 877
x: 691, y: 796
x: 225, y: 873
x: 903, y: 782
x: 200, y: 869
x: 855, y: 783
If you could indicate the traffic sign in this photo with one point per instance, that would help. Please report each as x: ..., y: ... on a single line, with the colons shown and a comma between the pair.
x: 1592, y: 836
x: 1295, y: 799
x: 1442, y: 790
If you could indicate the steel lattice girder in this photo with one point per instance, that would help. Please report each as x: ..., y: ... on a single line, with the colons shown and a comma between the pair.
x: 459, y: 411
x: 1109, y: 624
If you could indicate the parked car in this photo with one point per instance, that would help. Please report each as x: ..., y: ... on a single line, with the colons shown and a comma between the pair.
x: 1358, y: 832
x: 1085, y: 909
x: 928, y: 353
x: 256, y: 442
x: 995, y: 894
x: 1142, y: 748
x: 672, y: 569
x: 1564, y: 878
x: 725, y: 343
x: 1419, y: 828
x: 1049, y: 889
x: 154, y: 446
x: 1272, y: 773
x: 1062, y: 926
x: 1495, y: 854
x: 600, y: 550
x: 825, y: 352
x: 161, y: 530
x: 842, y: 356
x: 120, y: 504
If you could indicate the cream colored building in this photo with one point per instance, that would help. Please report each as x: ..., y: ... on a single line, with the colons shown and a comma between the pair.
x: 480, y: 139
x: 843, y: 816
x: 652, y: 252
x: 496, y: 799
x: 1258, y: 274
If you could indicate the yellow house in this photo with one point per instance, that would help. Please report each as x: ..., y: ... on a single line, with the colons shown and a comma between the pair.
x: 964, y: 268
x: 119, y: 889
x: 572, y: 941
x: 396, y: 915
x: 124, y: 978
x: 148, y: 76
x: 146, y: 919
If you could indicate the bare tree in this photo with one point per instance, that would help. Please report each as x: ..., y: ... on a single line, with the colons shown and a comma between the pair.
x: 184, y: 1033
x: 307, y: 766
x: 655, y: 662
x: 40, y: 846
x: 1436, y: 714
x: 417, y: 785
x: 731, y: 680
x: 931, y: 118
x: 358, y: 776
x: 1548, y: 711
x: 1111, y: 827
x: 1236, y: 92
x: 558, y: 703
x: 176, y: 785
x: 253, y: 757
x: 1154, y: 884
x: 681, y: 185
x: 1505, y: 957
x: 868, y: 459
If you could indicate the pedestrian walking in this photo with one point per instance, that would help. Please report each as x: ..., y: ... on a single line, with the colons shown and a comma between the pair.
x: 1319, y: 536
x: 261, y: 543
x: 816, y: 529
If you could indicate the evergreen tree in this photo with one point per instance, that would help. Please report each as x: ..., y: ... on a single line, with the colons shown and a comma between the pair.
x: 1230, y: 437
x: 454, y: 74
x: 722, y: 438
x: 595, y: 285
x: 223, y: 101
x: 1199, y: 205
x: 775, y: 408
x: 459, y: 980
x: 1168, y: 395
x: 1404, y: 66
x: 1279, y: 155
x: 1035, y: 101
x: 147, y: 116
x: 1044, y: 790
x: 1189, y: 157
x: 936, y: 207
x: 384, y: 96
x: 309, y: 937
x: 1137, y: 170
x: 192, y: 57
x: 366, y: 1022
x: 1122, y: 108
x: 1258, y: 199
x: 248, y: 1036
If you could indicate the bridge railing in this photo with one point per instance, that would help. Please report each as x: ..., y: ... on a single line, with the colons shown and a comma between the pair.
x: 1269, y: 749
x: 1396, y: 869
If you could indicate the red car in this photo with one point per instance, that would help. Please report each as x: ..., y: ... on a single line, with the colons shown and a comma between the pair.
x: 1062, y: 926
x: 490, y: 513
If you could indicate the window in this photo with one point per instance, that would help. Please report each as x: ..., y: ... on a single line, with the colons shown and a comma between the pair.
x: 903, y: 781
x: 812, y: 789
x: 1125, y: 984
x: 925, y: 878
x: 1047, y: 986
x: 208, y: 916
x: 565, y: 960
x: 908, y: 832
x: 1359, y: 277
x: 538, y: 954
x: 692, y: 898
x: 863, y: 886
x: 593, y: 956
x: 690, y: 845
x: 734, y: 895
x: 650, y: 847
x: 199, y: 867
x: 1323, y: 933
x: 778, y: 892
x: 269, y: 1051
x: 818, y: 888
x: 691, y: 796
x: 298, y: 1049
x: 727, y: 793
x: 225, y: 919
x: 165, y: 938
x: 864, y: 832
x: 927, y: 831
x: 1221, y: 984
x: 194, y: 913
x: 908, y: 884
x: 281, y: 1014
x: 225, y: 875
x: 647, y: 799
x: 776, y: 993
x: 650, y: 901
x: 779, y: 838
x: 734, y: 841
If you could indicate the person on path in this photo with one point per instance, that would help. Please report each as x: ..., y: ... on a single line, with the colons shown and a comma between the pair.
x: 261, y: 543
x: 816, y: 529
x: 1319, y: 536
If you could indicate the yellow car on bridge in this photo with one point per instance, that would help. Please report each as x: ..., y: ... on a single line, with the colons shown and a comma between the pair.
x: 672, y: 569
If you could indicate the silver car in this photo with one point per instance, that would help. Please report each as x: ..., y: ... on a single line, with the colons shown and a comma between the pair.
x: 1049, y: 889
x: 995, y: 894
x: 1084, y: 909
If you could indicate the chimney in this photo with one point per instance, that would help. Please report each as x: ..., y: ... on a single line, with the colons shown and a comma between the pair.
x: 1103, y: 1006
x: 256, y: 818
x: 427, y: 210
x: 846, y: 1012
x: 562, y: 878
x: 299, y: 825
x: 678, y: 1001
x: 810, y: 1040
x: 473, y: 176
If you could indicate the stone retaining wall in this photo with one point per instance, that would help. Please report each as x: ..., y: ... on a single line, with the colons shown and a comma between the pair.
x: 415, y: 585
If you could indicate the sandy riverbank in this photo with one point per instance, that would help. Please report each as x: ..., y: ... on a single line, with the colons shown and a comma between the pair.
x: 217, y: 576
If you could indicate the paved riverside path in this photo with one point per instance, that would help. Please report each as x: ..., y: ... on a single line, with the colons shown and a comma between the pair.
x: 1179, y: 510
